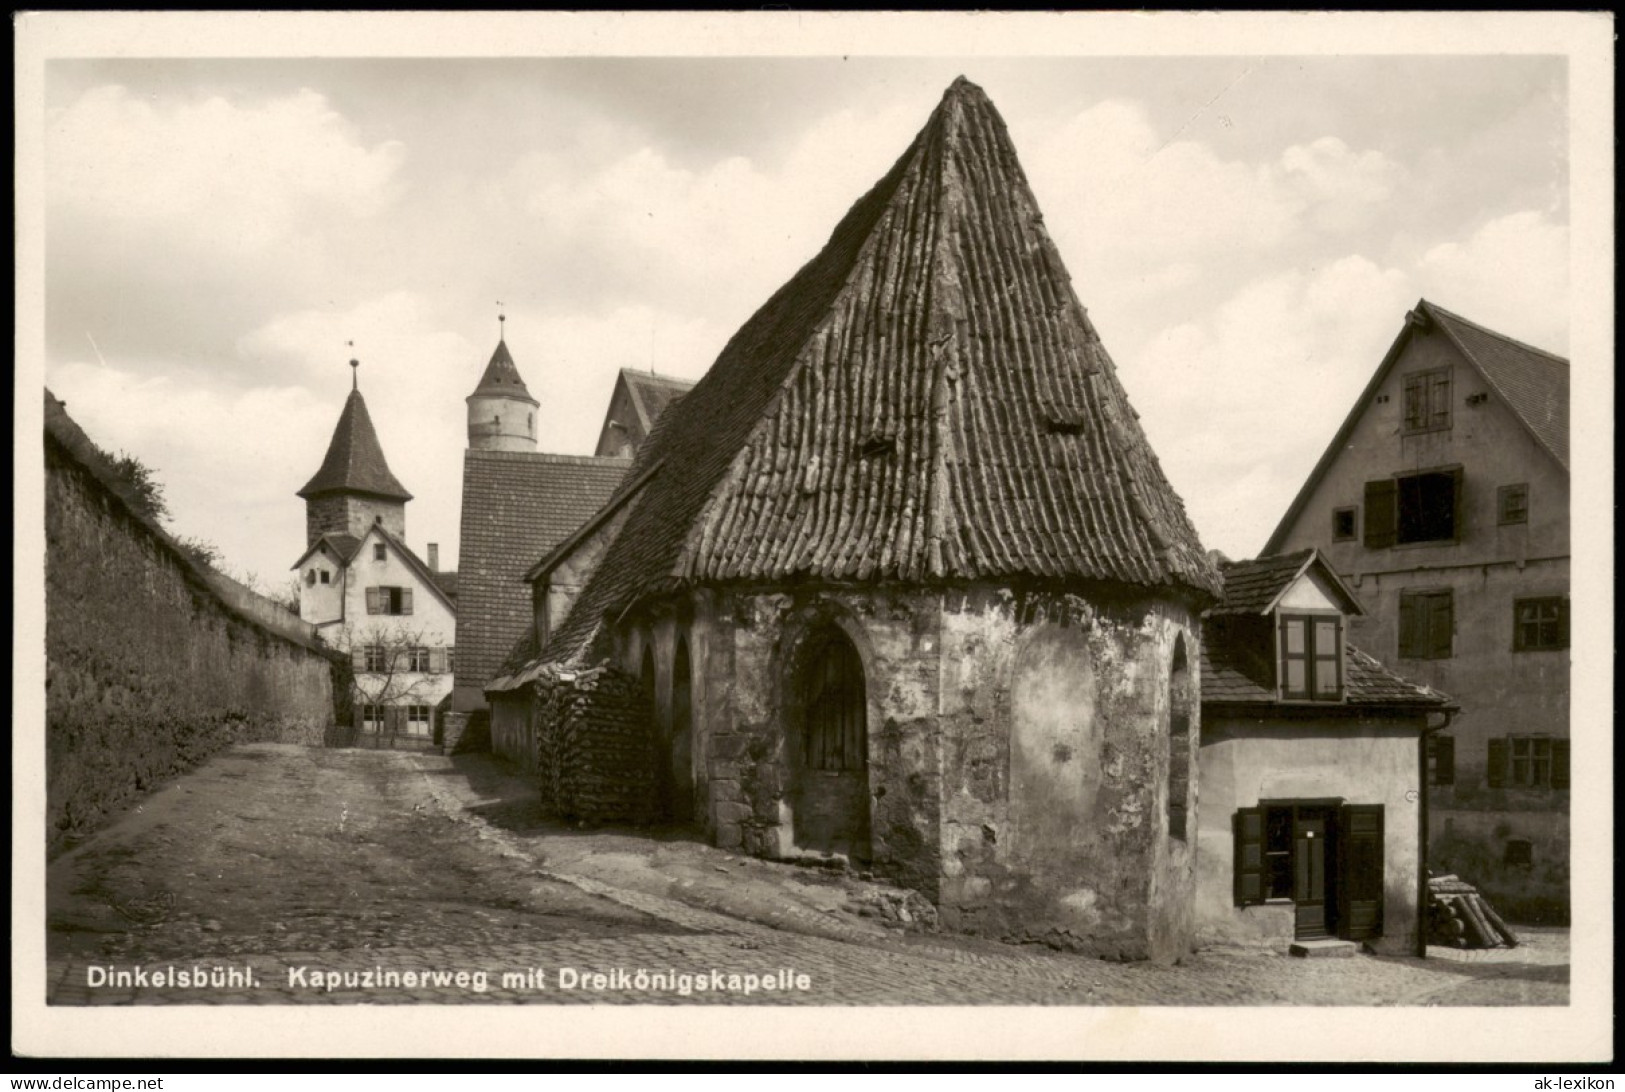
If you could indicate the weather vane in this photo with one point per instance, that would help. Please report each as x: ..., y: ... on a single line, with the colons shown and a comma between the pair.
x: 502, y: 323
x: 355, y: 367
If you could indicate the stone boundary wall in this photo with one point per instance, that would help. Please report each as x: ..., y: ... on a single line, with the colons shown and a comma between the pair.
x: 149, y: 669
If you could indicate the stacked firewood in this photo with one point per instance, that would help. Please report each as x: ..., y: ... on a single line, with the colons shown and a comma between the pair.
x: 1459, y: 917
x: 595, y: 759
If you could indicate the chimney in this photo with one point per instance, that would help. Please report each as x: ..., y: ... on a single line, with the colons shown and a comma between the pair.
x: 434, y: 557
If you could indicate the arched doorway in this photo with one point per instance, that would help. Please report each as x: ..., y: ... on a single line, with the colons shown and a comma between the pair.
x: 1179, y: 742
x: 831, y: 763
x: 682, y: 736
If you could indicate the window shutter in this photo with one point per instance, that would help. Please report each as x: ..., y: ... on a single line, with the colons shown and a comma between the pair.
x: 1560, y: 763
x: 358, y: 656
x: 1496, y: 774
x: 1441, y: 625
x: 406, y: 600
x: 1408, y: 610
x: 1380, y: 514
x: 1249, y: 863
x: 437, y: 660
x: 1563, y: 623
x: 1444, y: 760
x: 1457, y: 508
x: 373, y: 600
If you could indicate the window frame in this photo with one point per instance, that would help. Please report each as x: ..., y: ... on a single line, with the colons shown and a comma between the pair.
x: 380, y: 552
x: 1559, y: 622
x: 1441, y: 753
x: 1529, y: 761
x: 1352, y: 514
x: 417, y: 659
x: 1431, y: 409
x: 1311, y: 656
x: 375, y: 658
x: 1414, y: 480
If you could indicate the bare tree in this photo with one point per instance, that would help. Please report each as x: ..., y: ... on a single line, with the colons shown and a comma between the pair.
x: 395, y: 667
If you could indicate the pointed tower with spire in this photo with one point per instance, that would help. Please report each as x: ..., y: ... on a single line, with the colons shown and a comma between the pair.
x: 501, y: 412
x: 354, y: 488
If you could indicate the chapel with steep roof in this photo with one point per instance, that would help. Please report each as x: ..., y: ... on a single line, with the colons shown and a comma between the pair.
x: 899, y: 581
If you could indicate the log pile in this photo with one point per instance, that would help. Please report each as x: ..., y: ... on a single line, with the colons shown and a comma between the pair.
x: 1459, y: 917
x: 595, y: 754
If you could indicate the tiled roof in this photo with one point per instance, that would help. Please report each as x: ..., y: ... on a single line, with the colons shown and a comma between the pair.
x: 1532, y: 382
x: 502, y: 377
x: 340, y: 543
x: 355, y: 460
x: 1251, y: 586
x: 1227, y: 680
x: 925, y: 400
x: 447, y: 583
x: 516, y: 506
x: 651, y: 394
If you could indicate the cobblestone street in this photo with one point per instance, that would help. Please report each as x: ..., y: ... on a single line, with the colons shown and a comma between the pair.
x: 280, y: 865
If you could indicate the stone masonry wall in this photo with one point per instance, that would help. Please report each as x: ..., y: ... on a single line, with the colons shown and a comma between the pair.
x: 148, y: 671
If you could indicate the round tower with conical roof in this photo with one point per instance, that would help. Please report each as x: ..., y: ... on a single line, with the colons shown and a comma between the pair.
x: 501, y: 412
x: 354, y: 487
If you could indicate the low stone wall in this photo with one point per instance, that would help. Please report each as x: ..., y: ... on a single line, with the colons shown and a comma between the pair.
x: 149, y: 671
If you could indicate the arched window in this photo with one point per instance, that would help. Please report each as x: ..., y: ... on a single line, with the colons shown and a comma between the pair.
x: 835, y: 736
x: 1179, y: 742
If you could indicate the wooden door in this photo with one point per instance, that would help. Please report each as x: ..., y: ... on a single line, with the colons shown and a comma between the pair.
x: 1310, y: 852
x: 1361, y: 868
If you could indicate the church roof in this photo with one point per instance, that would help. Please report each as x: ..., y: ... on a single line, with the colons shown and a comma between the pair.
x: 517, y: 505
x: 502, y: 377
x: 355, y: 460
x: 926, y: 400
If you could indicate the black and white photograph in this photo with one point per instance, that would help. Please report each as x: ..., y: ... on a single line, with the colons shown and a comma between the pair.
x: 945, y: 535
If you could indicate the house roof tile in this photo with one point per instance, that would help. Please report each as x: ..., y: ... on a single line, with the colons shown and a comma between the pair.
x: 1531, y: 381
x: 1227, y: 679
x: 925, y: 400
x: 516, y: 507
x: 652, y: 393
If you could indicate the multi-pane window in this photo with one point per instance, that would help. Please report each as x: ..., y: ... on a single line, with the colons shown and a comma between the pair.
x: 451, y: 660
x: 1312, y: 657
x: 417, y: 720
x: 417, y: 659
x: 1343, y: 524
x: 836, y: 733
x: 372, y: 717
x: 1512, y: 504
x: 1427, y: 400
x: 388, y: 600
x: 375, y: 658
x: 1427, y: 625
x: 1528, y: 762
x: 1540, y: 625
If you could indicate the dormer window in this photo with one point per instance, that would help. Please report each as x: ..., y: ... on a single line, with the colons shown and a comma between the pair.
x: 1311, y: 663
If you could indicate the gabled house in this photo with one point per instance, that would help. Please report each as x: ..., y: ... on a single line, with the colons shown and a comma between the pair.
x: 901, y: 581
x: 638, y: 400
x: 1443, y: 502
x: 1311, y: 818
x: 367, y: 593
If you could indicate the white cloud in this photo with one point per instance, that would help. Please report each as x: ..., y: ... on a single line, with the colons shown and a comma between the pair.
x: 1239, y: 402
x: 1511, y: 274
x: 1119, y: 196
x: 243, y: 175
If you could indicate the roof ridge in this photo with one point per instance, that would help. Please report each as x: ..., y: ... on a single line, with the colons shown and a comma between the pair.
x: 550, y: 457
x: 1481, y: 328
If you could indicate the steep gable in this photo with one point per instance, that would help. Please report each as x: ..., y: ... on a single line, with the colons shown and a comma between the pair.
x: 925, y: 400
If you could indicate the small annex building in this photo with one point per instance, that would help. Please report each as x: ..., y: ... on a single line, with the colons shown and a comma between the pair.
x: 1312, y: 822
x: 901, y: 580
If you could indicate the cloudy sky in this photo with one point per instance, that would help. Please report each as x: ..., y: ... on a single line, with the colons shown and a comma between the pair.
x: 1247, y: 233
